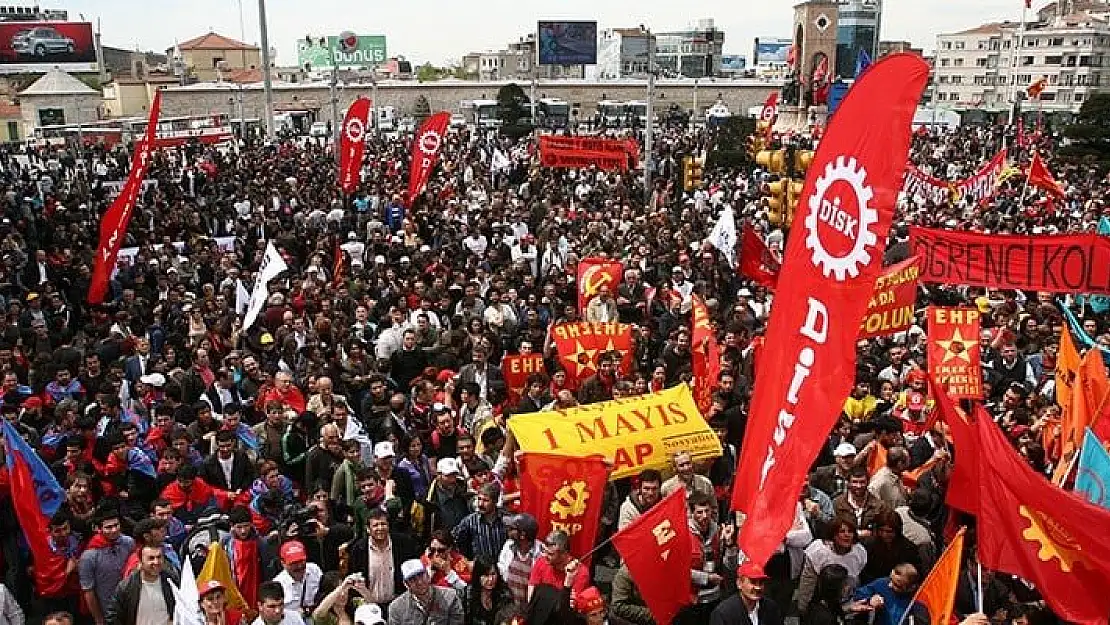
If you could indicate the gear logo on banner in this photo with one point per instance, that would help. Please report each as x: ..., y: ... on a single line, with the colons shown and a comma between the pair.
x: 840, y: 207
x: 355, y: 129
x: 1055, y: 541
x: 429, y: 142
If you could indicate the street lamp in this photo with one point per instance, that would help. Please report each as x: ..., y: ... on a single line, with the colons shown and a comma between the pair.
x: 649, y: 127
x: 267, y: 84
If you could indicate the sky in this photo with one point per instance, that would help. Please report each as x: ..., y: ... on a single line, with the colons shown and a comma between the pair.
x: 440, y: 31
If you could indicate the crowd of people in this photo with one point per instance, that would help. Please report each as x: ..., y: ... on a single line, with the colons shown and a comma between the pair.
x: 349, y: 450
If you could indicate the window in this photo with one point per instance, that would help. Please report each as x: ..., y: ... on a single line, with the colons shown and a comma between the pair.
x: 947, y: 45
x: 959, y: 45
x: 1084, y: 61
x: 980, y: 62
x: 216, y: 60
x: 955, y: 97
x: 958, y: 62
x: 1056, y: 41
x: 942, y: 80
x: 980, y: 80
x: 1048, y: 97
x: 1026, y: 60
x: 1078, y: 97
x: 957, y: 80
x: 945, y: 62
x: 1052, y: 60
x: 941, y: 97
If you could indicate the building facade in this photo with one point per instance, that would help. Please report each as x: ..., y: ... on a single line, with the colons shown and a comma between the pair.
x: 623, y: 52
x: 207, y: 57
x: 691, y: 53
x: 990, y: 66
x: 857, y: 29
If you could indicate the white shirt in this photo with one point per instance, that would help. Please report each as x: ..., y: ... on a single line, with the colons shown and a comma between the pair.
x: 290, y: 618
x: 300, y: 594
x: 152, y: 604
x: 225, y: 466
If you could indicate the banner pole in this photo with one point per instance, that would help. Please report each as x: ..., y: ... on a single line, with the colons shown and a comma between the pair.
x: 979, y: 565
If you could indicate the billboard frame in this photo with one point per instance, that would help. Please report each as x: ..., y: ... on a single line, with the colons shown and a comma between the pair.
x: 42, y: 55
x: 589, y: 58
x: 334, y: 52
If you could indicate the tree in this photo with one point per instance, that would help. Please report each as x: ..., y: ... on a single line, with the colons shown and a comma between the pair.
x: 428, y: 73
x: 421, y: 110
x: 512, y: 105
x: 1089, y: 133
x: 730, y: 143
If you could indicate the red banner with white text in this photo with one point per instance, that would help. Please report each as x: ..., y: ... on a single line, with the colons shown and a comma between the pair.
x: 425, y: 152
x: 842, y: 219
x: 891, y: 307
x: 516, y: 369
x: 581, y: 344
x: 113, y: 225
x: 975, y: 188
x: 954, y: 351
x: 563, y: 158
x: 630, y: 146
x: 352, y: 144
x: 1067, y: 263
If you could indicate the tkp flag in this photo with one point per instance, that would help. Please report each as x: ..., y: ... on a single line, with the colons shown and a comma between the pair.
x: 352, y: 144
x: 113, y: 225
x: 843, y: 216
x: 565, y: 493
x: 594, y: 273
x: 425, y: 152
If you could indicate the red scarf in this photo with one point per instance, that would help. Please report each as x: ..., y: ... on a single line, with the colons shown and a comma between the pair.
x: 197, y: 496
x: 247, y: 577
x: 98, y: 542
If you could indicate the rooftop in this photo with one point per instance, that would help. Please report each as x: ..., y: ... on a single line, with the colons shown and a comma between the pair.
x: 57, y: 82
x: 213, y: 41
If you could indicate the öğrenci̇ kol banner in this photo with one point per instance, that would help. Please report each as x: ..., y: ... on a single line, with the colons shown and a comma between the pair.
x: 1058, y: 264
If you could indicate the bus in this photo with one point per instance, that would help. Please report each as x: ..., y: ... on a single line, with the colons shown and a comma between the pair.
x: 553, y: 113
x: 212, y: 129
x: 635, y: 112
x: 483, y: 114
x: 107, y: 134
x: 610, y: 113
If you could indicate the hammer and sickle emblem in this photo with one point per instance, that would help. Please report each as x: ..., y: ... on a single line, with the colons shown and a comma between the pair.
x: 592, y: 286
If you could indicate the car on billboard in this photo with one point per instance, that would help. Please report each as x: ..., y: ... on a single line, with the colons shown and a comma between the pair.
x: 42, y: 41
x: 27, y: 46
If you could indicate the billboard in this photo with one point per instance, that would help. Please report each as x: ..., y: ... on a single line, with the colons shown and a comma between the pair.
x: 771, y: 51
x: 733, y: 63
x: 370, y: 51
x: 39, y: 46
x: 567, y: 43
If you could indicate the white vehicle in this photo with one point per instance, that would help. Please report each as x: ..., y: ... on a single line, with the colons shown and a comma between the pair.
x: 318, y: 129
x: 407, y: 125
x: 387, y: 118
x: 458, y: 121
x: 483, y: 113
x: 611, y: 112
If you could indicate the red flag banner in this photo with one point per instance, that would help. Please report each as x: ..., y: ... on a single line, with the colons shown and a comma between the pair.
x: 963, y: 484
x: 339, y: 265
x: 655, y: 548
x: 113, y: 225
x: 516, y: 369
x: 1055, y: 263
x: 706, y: 355
x: 425, y: 152
x: 352, y: 144
x: 954, y: 351
x: 564, y: 493
x: 1041, y: 177
x: 844, y: 213
x: 756, y: 259
x: 594, y: 273
x: 975, y: 188
x: 891, y: 307
x: 578, y: 158
x: 579, y: 345
x: 920, y: 186
x: 628, y: 147
x: 770, y: 111
x: 1034, y: 529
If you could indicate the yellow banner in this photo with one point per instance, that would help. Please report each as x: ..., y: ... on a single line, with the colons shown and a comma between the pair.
x: 636, y: 434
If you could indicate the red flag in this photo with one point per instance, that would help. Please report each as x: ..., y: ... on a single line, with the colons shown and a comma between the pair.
x: 1040, y: 176
x: 657, y: 549
x: 339, y: 265
x: 770, y: 110
x: 822, y: 71
x: 963, y: 484
x: 844, y: 214
x: 953, y: 350
x: 425, y: 152
x: 113, y: 225
x: 706, y: 355
x: 1020, y: 132
x: 352, y: 143
x: 579, y: 345
x: 791, y: 55
x: 1034, y: 90
x: 564, y: 493
x: 890, y: 309
x: 594, y: 273
x: 756, y: 259
x: 516, y: 368
x: 1040, y: 532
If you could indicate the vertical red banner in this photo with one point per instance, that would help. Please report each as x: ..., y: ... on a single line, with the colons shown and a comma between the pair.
x: 706, y: 354
x: 113, y: 225
x: 564, y: 493
x: 594, y: 273
x: 842, y: 220
x: 954, y: 351
x: 352, y: 144
x: 425, y: 153
x: 516, y: 369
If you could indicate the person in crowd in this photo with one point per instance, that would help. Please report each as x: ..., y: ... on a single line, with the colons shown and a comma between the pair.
x: 487, y: 594
x: 422, y: 601
x: 213, y: 604
x: 299, y: 578
x: 146, y: 595
x: 644, y: 496
x: 101, y: 565
x: 890, y: 597
x: 749, y: 599
x: 271, y: 607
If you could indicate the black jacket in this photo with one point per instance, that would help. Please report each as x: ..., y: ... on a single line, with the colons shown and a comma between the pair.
x: 124, y: 607
x: 731, y: 611
x: 242, y: 472
x: 404, y: 548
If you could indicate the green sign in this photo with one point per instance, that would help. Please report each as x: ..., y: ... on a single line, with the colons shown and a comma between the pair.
x: 370, y: 51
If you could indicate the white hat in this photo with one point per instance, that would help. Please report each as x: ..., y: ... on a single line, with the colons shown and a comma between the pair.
x: 368, y: 614
x: 154, y: 379
x: 412, y: 568
x: 379, y: 259
x: 384, y: 449
x: 744, y: 292
x: 447, y: 466
x: 352, y: 235
x: 405, y: 259
x: 844, y: 449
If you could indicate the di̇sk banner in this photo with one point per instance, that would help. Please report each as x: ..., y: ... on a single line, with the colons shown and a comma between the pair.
x: 636, y: 434
x: 1058, y: 264
x: 425, y: 153
x: 352, y: 144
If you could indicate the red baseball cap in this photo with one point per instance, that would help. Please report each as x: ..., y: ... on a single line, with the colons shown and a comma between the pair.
x: 293, y: 551
x: 209, y: 586
x: 751, y: 570
x: 915, y: 401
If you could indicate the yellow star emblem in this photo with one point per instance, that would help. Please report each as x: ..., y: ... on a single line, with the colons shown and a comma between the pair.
x: 582, y: 359
x: 956, y: 347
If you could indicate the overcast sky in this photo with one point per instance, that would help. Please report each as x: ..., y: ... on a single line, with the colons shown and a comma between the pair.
x: 441, y: 30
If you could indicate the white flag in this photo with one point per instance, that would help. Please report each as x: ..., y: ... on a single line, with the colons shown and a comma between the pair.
x: 242, y: 298
x: 500, y: 162
x: 272, y: 266
x: 186, y: 609
x: 723, y: 235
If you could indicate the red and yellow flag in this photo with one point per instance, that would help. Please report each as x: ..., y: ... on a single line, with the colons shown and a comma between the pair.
x: 516, y: 368
x: 594, y: 273
x: 580, y: 344
x: 706, y: 355
x: 564, y: 493
x: 938, y: 592
x: 954, y: 351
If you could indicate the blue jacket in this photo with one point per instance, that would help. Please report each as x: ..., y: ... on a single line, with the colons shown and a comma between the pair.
x: 894, y: 605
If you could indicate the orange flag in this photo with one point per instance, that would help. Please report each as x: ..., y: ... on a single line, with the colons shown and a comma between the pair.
x: 877, y: 459
x: 938, y: 593
x: 1067, y: 368
x: 1086, y: 398
x: 706, y: 355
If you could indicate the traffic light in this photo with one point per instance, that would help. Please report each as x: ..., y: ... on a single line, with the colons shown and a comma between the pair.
x: 793, y: 195
x: 773, y: 161
x: 687, y: 173
x: 755, y: 145
x: 802, y: 160
x: 697, y: 169
x: 776, y: 192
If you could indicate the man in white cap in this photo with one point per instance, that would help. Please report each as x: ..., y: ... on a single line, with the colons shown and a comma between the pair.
x: 833, y: 479
x: 423, y: 603
x: 448, y: 495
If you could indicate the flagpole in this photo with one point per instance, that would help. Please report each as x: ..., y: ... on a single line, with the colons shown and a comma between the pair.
x: 1014, y: 56
x: 979, y: 565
